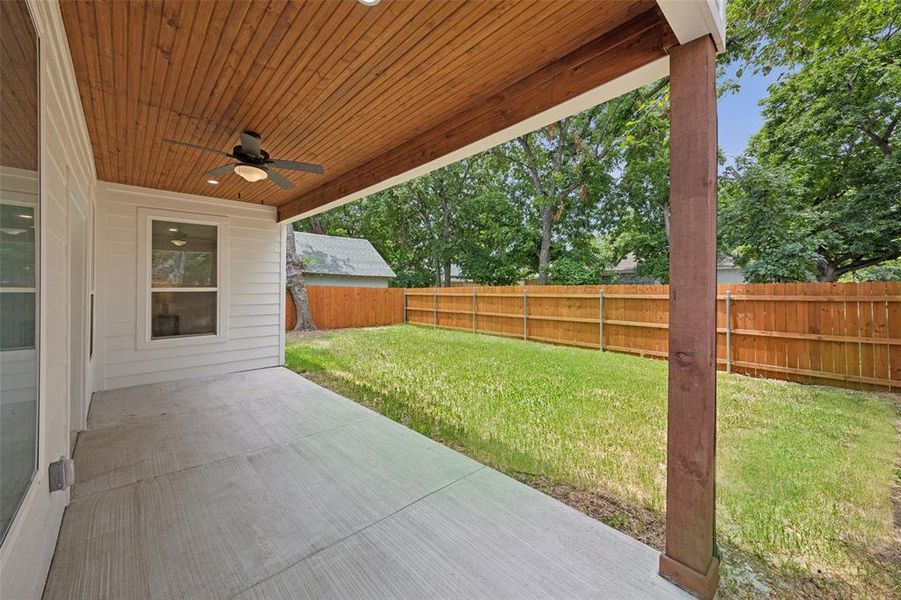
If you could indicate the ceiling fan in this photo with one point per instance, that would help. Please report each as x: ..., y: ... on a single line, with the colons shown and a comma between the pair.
x: 253, y: 163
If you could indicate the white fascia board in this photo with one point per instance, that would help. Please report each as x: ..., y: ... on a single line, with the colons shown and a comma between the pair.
x: 691, y: 19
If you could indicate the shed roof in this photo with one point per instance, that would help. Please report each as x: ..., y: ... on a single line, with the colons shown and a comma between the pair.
x: 333, y: 255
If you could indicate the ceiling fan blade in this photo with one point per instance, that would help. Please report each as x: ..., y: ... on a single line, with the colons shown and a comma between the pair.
x: 297, y: 166
x: 279, y: 180
x: 250, y: 143
x: 213, y: 150
x: 223, y: 170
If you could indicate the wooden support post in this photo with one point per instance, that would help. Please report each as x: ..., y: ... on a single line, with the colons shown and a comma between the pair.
x: 474, y: 302
x: 435, y: 309
x: 689, y: 560
x: 405, y: 306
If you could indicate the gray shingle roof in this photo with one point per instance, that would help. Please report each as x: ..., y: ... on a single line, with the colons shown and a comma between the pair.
x: 332, y: 255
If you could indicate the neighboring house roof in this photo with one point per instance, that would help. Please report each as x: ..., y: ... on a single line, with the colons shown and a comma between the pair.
x: 630, y: 264
x: 332, y: 255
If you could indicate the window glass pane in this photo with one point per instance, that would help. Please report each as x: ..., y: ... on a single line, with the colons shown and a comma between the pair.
x: 183, y: 255
x: 182, y: 313
x: 19, y: 201
x: 17, y: 320
x: 17, y: 245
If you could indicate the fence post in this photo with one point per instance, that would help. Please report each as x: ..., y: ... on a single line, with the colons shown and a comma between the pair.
x: 525, y: 314
x: 405, y: 306
x: 435, y: 308
x: 473, y: 310
x: 728, y: 331
x: 601, y: 321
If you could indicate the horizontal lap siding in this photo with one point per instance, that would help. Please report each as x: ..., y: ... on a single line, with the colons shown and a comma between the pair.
x: 255, y: 287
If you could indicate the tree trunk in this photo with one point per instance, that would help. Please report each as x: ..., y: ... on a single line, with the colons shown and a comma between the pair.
x: 544, y: 253
x: 447, y: 272
x: 446, y: 236
x: 827, y: 272
x: 436, y: 263
x: 316, y: 225
x: 294, y: 267
x: 666, y: 220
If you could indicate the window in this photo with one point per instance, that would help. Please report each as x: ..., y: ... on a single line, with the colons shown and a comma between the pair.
x: 19, y: 258
x: 18, y: 291
x: 182, y: 279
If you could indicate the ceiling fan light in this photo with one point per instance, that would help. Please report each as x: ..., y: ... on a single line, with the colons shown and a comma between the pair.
x: 368, y: 2
x: 250, y: 172
x: 179, y: 242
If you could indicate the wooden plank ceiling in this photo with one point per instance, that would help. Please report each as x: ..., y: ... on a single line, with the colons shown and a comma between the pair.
x: 368, y: 92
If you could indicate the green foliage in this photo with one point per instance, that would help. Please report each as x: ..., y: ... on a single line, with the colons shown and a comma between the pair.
x: 568, y: 271
x: 762, y: 227
x: 890, y: 271
x: 818, y: 194
x: 635, y: 214
x: 804, y: 473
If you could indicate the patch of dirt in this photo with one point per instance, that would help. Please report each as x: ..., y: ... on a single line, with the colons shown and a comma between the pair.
x: 640, y: 523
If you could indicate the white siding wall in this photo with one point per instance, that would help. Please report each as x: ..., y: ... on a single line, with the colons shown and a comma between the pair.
x: 345, y: 281
x: 255, y: 290
x: 67, y: 176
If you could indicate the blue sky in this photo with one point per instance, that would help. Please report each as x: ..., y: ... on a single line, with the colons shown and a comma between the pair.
x: 739, y: 113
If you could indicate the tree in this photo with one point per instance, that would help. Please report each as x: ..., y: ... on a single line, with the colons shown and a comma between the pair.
x: 825, y: 164
x: 294, y: 267
x: 635, y: 215
x: 567, y: 170
x: 551, y: 161
x: 493, y: 243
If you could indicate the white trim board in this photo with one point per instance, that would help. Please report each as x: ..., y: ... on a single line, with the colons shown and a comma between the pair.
x: 691, y: 19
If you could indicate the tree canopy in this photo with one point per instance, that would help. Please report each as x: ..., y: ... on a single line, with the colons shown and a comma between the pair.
x: 818, y: 192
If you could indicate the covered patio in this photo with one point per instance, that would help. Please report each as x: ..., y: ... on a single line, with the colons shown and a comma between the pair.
x: 151, y: 253
x: 261, y: 484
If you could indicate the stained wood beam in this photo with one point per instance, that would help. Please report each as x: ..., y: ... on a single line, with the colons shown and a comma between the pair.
x: 689, y: 559
x: 638, y: 42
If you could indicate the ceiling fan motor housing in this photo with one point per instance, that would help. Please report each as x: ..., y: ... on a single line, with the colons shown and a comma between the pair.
x: 239, y: 153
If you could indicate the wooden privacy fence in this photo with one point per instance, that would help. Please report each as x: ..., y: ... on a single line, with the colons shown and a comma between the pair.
x: 846, y: 334
x: 831, y: 334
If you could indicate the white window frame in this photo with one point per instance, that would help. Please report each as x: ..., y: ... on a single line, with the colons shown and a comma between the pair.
x: 10, y: 199
x: 144, y: 339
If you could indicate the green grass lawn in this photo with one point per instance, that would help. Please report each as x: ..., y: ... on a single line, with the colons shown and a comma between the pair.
x: 804, y: 473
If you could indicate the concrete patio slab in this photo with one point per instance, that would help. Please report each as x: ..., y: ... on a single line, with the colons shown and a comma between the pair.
x: 269, y: 486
